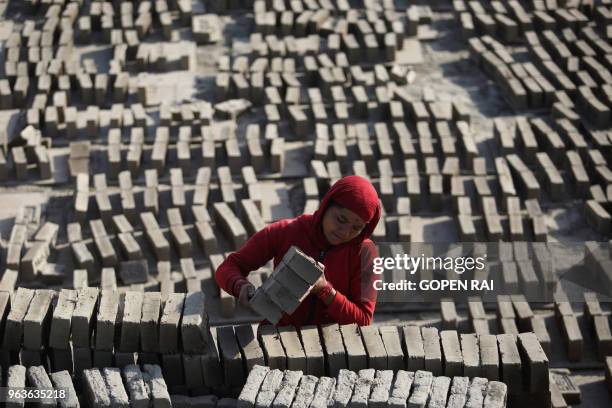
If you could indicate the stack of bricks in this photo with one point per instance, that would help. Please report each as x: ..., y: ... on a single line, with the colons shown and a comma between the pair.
x: 368, y: 387
x: 287, y: 287
x: 97, y: 387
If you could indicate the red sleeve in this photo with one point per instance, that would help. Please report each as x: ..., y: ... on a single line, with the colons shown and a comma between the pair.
x: 258, y: 250
x: 360, y: 307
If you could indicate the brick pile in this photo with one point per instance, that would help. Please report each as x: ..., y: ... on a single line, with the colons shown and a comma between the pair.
x: 131, y: 385
x: 368, y: 387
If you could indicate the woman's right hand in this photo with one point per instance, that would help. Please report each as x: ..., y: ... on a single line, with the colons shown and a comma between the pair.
x: 246, y: 293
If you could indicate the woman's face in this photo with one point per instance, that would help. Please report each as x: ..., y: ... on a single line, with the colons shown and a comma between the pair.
x: 341, y: 225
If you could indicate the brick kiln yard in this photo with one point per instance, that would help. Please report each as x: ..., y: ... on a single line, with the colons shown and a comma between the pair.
x: 141, y: 142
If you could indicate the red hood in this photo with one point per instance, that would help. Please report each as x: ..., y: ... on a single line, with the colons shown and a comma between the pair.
x: 354, y: 193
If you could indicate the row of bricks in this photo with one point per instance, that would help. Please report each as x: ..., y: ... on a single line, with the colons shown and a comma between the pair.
x: 369, y: 387
x: 504, y: 356
x: 104, y: 320
x: 106, y: 387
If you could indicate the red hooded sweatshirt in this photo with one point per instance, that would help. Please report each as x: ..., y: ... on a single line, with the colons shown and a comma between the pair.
x: 348, y: 267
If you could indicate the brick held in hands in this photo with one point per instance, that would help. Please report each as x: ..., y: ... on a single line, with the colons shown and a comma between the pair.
x: 303, y: 265
x: 249, y: 392
x: 265, y: 307
x: 315, y: 359
x: 194, y: 323
x: 356, y: 353
x: 280, y: 296
x: 413, y: 345
x: 272, y: 347
x: 297, y: 287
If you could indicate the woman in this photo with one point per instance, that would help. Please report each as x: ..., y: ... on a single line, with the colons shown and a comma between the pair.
x: 335, y: 235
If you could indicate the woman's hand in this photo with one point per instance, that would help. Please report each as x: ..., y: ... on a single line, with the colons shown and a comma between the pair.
x: 318, y: 285
x: 246, y: 293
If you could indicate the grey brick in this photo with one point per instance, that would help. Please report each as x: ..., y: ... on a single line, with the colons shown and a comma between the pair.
x: 375, y: 349
x: 335, y: 354
x: 130, y: 321
x: 471, y: 355
x: 433, y: 352
x: 401, y: 389
x: 296, y: 358
x: 453, y: 359
x: 38, y: 378
x: 116, y: 391
x: 95, y: 388
x: 230, y: 354
x: 323, y: 396
x: 269, y: 387
x: 489, y: 356
x: 194, y: 323
x: 510, y: 361
x: 107, y: 319
x: 439, y: 392
x: 381, y: 389
x: 305, y: 392
x: 421, y: 388
x: 36, y: 321
x: 135, y: 385
x: 169, y: 323
x: 13, y: 331
x: 287, y: 389
x: 315, y: 359
x: 356, y: 353
x: 476, y: 393
x: 363, y: 385
x: 458, y: 392
x: 83, y: 317
x: 415, y: 352
x: 15, y: 378
x: 252, y: 354
x: 158, y: 390
x: 249, y: 392
x: 62, y: 379
x: 345, y: 384
x: 495, y: 395
x: 272, y: 347
x: 149, y: 322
